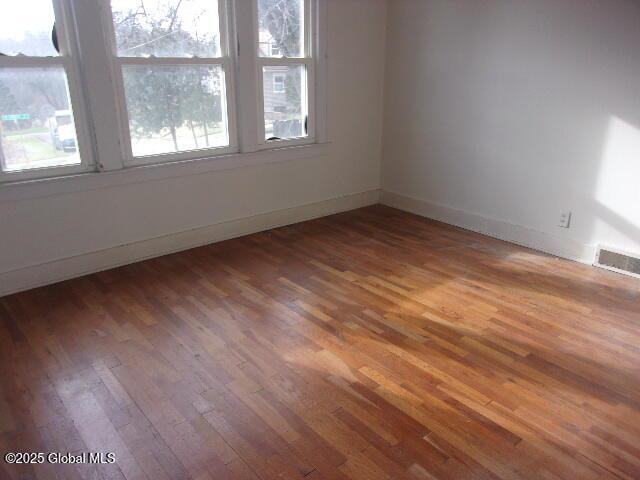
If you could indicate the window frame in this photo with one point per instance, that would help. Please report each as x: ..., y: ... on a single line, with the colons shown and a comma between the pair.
x: 87, y: 43
x: 68, y: 60
x: 307, y: 60
x: 225, y: 60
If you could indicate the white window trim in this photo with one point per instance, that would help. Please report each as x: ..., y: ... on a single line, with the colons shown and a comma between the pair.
x: 99, y: 119
x: 68, y: 60
x: 45, y: 187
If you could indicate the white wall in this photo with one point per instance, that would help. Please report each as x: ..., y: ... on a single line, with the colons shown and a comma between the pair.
x: 517, y: 110
x: 47, y: 229
x: 509, y: 110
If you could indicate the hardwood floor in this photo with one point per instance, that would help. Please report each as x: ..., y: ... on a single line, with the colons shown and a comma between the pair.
x: 368, y: 345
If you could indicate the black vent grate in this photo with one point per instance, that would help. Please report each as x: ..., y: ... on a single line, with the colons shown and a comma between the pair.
x: 619, y: 261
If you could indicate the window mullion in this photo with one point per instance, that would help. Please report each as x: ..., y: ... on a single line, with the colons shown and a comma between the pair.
x: 248, y: 98
x: 97, y: 75
x: 319, y: 49
x: 228, y: 49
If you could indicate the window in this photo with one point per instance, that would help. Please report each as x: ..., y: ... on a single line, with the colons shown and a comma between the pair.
x: 286, y: 77
x: 278, y: 84
x: 172, y: 62
x: 38, y: 99
x: 93, y: 86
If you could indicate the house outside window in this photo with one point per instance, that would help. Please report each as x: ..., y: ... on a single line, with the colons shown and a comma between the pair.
x: 278, y: 84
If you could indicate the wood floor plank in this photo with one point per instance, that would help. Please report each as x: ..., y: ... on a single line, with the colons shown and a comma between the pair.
x: 372, y: 344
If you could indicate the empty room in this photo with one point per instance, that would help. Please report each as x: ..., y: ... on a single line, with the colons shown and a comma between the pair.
x: 320, y: 239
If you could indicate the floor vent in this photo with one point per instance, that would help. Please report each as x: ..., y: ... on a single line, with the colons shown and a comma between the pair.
x: 621, y: 262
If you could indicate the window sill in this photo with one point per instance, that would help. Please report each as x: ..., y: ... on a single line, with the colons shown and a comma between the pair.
x: 28, y: 189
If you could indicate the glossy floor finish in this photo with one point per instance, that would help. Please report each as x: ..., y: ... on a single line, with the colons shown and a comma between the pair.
x: 368, y: 345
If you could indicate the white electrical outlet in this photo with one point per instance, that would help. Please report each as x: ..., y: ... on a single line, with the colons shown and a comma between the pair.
x: 565, y: 220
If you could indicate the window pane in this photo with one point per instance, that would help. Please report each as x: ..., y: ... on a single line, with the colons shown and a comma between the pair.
x: 25, y: 27
x: 175, y: 108
x: 166, y: 28
x: 285, y: 101
x: 281, y: 28
x: 36, y: 122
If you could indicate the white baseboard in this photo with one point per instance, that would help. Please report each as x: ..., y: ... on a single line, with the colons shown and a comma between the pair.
x: 520, y: 235
x: 76, y: 266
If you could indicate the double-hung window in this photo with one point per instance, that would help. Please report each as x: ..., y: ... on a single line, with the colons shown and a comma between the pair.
x: 104, y: 85
x: 172, y: 70
x: 41, y: 113
x: 286, y: 70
